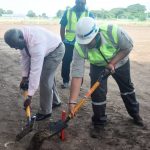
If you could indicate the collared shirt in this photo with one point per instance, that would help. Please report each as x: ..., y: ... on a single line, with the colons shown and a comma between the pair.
x: 40, y: 42
x: 124, y: 43
x: 64, y: 22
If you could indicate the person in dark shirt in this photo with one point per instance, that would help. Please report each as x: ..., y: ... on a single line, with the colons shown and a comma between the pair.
x: 67, y: 32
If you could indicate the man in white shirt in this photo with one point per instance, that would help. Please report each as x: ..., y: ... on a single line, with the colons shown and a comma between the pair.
x: 42, y: 51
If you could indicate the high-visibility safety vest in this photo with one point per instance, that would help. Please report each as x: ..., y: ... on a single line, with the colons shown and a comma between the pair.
x: 72, y: 21
x: 108, y: 49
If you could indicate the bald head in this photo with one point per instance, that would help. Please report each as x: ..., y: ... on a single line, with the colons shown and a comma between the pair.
x: 14, y: 38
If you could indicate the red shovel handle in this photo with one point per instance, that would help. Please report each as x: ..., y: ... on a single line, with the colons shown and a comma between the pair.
x: 63, y: 117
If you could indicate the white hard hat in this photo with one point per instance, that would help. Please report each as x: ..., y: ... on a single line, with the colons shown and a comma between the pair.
x: 86, y: 30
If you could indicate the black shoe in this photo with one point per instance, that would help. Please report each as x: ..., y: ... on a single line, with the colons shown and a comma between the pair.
x: 97, y: 131
x: 56, y: 105
x: 39, y: 117
x: 138, y: 120
x: 65, y: 85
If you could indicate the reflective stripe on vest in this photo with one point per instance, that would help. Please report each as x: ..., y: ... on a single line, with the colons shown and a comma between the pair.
x: 128, y: 93
x: 71, y: 25
x: 109, y: 49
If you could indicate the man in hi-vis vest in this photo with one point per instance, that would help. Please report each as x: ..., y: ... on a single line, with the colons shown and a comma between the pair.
x: 104, y: 46
x: 67, y: 32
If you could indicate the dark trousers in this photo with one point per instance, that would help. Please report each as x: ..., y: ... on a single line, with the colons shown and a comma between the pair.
x: 123, y: 79
x: 67, y: 59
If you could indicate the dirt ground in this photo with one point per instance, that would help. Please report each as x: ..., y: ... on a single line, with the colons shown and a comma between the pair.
x: 120, y: 132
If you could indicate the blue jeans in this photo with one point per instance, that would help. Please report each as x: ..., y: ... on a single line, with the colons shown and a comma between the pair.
x: 67, y: 59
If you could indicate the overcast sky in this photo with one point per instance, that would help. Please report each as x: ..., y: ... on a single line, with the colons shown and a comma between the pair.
x: 50, y: 7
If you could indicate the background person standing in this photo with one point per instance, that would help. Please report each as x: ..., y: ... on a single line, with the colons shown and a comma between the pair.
x: 67, y: 32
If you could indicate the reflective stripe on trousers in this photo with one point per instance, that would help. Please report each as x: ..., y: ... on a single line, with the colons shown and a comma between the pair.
x: 98, y: 103
x: 127, y: 93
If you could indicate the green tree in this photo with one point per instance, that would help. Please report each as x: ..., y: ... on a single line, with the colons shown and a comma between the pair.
x: 142, y: 17
x: 136, y: 8
x: 9, y: 12
x: 44, y: 15
x: 60, y: 13
x: 117, y: 12
x: 103, y: 14
x: 137, y: 11
x: 1, y: 11
x: 31, y: 14
x: 148, y: 15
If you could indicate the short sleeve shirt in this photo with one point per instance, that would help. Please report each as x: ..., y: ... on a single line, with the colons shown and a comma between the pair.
x: 124, y: 43
x: 64, y: 22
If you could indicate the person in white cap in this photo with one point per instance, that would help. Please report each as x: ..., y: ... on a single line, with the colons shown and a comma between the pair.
x: 104, y: 46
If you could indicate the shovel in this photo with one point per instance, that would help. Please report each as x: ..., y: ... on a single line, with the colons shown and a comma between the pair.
x: 30, y: 121
x: 57, y: 127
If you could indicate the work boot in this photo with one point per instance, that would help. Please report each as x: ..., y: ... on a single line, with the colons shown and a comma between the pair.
x: 138, y: 120
x: 65, y: 85
x: 97, y: 131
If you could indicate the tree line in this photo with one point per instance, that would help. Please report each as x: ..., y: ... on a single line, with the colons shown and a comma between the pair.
x: 134, y: 12
x: 2, y: 11
x: 30, y: 13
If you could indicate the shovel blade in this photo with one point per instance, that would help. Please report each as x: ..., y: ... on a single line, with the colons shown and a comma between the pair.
x: 24, y: 132
x: 57, y: 127
x: 27, y: 129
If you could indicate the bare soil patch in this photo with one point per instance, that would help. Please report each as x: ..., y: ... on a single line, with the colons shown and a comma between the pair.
x: 120, y: 133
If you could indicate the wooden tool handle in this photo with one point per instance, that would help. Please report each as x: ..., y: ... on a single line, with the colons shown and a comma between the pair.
x: 83, y: 100
x: 28, y: 112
